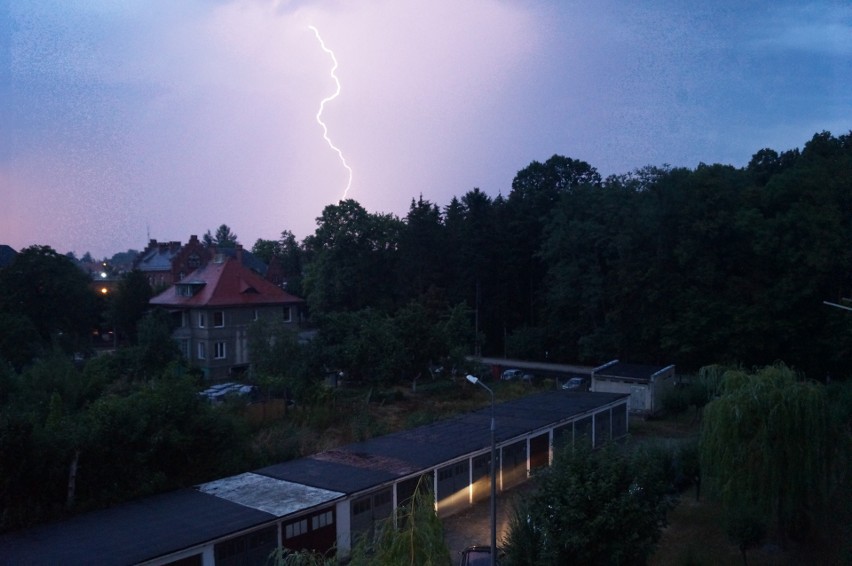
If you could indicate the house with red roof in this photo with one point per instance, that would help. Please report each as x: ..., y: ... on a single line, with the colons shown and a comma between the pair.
x: 215, y: 305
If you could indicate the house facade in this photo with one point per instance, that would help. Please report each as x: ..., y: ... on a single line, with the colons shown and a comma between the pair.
x: 215, y: 305
x: 165, y: 263
x: 155, y: 262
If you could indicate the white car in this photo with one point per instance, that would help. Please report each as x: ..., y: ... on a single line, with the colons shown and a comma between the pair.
x: 511, y: 375
x: 576, y: 384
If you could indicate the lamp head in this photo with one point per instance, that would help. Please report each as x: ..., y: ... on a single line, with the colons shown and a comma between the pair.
x: 473, y: 379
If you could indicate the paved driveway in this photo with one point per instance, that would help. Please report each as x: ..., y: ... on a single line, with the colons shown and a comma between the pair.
x: 473, y: 525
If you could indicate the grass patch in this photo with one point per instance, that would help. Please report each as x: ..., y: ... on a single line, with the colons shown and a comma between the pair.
x: 438, y: 388
x: 683, y: 425
x: 420, y: 418
x: 695, y: 537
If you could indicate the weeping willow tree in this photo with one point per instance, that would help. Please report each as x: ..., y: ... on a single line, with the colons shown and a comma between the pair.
x: 766, y: 444
x: 286, y: 557
x: 413, y: 536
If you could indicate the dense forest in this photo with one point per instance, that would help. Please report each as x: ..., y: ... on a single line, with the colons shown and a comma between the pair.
x: 712, y: 265
x: 662, y: 265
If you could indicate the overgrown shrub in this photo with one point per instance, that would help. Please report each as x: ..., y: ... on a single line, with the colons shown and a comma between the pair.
x: 676, y: 400
x: 593, y: 507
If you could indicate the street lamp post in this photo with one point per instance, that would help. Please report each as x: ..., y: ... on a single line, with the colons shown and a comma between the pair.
x: 475, y: 380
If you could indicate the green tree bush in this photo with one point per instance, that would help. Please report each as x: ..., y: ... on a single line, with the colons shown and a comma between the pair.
x: 130, y: 303
x: 223, y: 238
x: 604, y: 506
x: 413, y: 536
x: 768, y: 442
x: 54, y: 294
x: 746, y: 527
x: 287, y: 557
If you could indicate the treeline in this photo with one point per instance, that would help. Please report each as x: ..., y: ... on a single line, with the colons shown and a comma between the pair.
x: 85, y: 427
x: 662, y: 265
x: 78, y: 431
x: 715, y: 264
x: 73, y: 440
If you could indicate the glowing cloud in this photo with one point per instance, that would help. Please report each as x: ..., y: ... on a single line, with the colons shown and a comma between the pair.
x: 322, y: 107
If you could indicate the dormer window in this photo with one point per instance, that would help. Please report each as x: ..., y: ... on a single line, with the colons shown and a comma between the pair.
x: 188, y: 289
x: 247, y: 288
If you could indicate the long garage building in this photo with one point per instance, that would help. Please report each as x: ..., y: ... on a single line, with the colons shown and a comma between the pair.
x: 326, y: 500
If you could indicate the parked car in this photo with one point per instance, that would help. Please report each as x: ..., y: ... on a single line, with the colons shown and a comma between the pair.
x: 511, y: 375
x: 576, y: 384
x: 217, y: 394
x: 477, y: 555
x: 528, y: 378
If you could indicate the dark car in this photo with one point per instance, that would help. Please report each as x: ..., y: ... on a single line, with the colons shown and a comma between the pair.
x: 477, y: 555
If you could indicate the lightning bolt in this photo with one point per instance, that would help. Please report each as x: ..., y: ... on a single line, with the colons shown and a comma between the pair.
x: 322, y: 107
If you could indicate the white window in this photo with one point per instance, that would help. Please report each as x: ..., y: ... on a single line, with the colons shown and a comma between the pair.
x: 287, y: 315
x: 218, y: 319
x: 184, y: 319
x: 221, y: 351
x: 256, y: 314
x: 202, y: 319
x: 322, y: 520
x: 296, y: 529
x: 184, y: 348
x: 202, y: 351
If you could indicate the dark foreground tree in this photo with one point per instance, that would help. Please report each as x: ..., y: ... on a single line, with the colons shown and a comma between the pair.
x: 223, y: 238
x: 767, y: 442
x: 746, y: 527
x: 353, y: 254
x: 130, y: 303
x: 20, y: 341
x: 413, y: 536
x: 592, y: 507
x: 156, y: 348
x: 287, y: 557
x: 49, y: 290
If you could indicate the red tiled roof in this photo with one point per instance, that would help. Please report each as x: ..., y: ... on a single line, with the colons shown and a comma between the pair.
x: 225, y: 284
